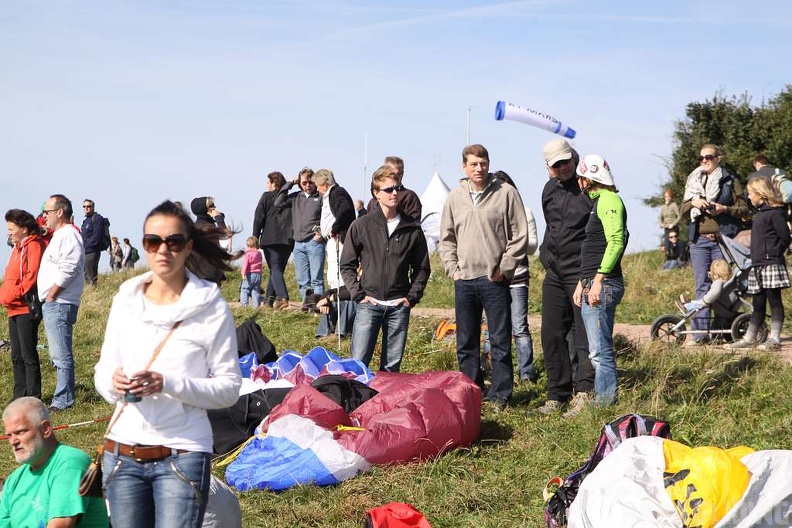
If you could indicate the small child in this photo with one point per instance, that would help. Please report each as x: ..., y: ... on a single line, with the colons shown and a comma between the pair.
x: 719, y: 273
x: 251, y: 273
x: 768, y: 274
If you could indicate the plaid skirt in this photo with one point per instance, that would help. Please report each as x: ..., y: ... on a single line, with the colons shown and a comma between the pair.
x: 767, y: 277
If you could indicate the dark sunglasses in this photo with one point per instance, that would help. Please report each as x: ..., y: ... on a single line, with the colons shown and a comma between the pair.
x: 175, y: 243
x: 559, y: 164
x: 389, y: 190
x: 708, y: 157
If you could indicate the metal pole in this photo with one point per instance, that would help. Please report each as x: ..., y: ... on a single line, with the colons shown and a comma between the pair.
x: 365, y: 162
x: 338, y: 291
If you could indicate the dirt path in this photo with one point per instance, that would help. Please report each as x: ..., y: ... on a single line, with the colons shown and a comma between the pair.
x: 636, y: 333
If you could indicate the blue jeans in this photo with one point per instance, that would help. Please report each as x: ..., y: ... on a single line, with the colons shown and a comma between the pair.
x: 251, y: 287
x: 471, y: 297
x: 58, y: 321
x: 368, y: 320
x: 702, y: 253
x: 522, y: 334
x: 342, y: 323
x: 672, y: 264
x: 168, y: 493
x: 309, y: 258
x: 599, y: 328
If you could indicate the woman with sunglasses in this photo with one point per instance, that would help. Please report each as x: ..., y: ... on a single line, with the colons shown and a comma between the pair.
x: 169, y: 353
x: 19, y: 279
x: 713, y: 203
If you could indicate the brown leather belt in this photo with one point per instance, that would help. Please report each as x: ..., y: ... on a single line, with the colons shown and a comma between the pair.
x: 141, y: 453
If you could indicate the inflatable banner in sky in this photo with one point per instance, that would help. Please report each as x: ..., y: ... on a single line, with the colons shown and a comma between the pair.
x: 513, y: 112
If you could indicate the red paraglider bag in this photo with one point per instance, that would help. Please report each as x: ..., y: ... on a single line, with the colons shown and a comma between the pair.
x: 396, y: 515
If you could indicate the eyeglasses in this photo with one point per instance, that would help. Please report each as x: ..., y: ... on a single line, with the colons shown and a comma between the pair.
x: 175, y: 243
x: 559, y: 164
x: 48, y: 211
x: 389, y: 190
x: 87, y: 206
x: 672, y: 237
x: 708, y: 157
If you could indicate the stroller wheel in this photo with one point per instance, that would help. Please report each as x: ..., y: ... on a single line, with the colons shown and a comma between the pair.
x: 663, y: 329
x: 740, y: 326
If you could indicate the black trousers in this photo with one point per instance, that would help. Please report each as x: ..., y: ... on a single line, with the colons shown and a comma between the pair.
x: 559, y: 316
x: 24, y: 356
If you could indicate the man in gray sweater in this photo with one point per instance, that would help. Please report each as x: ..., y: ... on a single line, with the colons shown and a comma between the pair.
x: 483, y: 238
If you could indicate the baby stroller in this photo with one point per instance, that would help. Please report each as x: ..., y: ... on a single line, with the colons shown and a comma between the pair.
x: 672, y: 328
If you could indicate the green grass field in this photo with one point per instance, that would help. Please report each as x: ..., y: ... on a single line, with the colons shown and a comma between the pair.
x: 710, y: 398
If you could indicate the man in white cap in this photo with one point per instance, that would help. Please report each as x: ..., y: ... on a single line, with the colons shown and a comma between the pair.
x: 566, y: 210
x: 601, y: 284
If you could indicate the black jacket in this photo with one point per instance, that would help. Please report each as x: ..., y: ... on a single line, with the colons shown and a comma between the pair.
x: 566, y: 211
x: 769, y: 236
x: 272, y: 224
x: 343, y: 210
x: 393, y: 267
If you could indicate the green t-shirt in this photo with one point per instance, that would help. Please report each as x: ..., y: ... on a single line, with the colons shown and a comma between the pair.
x: 31, y: 498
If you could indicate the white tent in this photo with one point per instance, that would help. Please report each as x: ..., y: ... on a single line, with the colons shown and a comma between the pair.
x: 432, y: 201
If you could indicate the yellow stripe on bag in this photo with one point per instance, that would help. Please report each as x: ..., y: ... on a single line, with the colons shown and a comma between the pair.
x: 704, y: 483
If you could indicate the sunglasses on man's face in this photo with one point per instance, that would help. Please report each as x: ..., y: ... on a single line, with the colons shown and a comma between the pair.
x: 175, y: 243
x: 707, y: 157
x: 389, y: 190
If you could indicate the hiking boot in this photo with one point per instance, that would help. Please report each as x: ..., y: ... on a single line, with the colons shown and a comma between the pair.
x: 549, y: 407
x: 579, y: 403
x: 696, y: 343
x: 770, y: 344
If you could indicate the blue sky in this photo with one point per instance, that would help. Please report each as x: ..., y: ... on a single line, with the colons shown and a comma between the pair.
x: 130, y: 103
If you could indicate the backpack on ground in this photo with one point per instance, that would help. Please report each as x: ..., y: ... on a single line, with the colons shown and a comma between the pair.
x: 556, y: 510
x: 251, y: 339
x: 134, y: 256
x: 348, y: 393
x: 105, y: 242
x: 233, y: 425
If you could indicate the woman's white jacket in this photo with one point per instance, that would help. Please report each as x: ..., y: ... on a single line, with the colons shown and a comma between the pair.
x: 199, y: 363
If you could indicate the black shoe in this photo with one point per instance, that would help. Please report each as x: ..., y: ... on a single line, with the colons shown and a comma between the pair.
x: 52, y: 409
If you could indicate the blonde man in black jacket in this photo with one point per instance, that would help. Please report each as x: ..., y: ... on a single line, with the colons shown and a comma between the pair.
x: 391, y: 248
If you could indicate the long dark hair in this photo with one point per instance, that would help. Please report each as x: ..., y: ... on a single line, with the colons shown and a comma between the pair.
x: 205, y: 237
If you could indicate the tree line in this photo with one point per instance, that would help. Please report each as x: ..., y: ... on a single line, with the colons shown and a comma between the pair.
x: 741, y: 129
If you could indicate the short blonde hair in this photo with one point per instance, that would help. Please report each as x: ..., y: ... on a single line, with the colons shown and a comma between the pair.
x: 720, y: 270
x: 323, y: 176
x: 252, y: 242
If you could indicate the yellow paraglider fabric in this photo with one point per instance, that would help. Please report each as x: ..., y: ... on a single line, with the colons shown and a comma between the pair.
x: 704, y: 483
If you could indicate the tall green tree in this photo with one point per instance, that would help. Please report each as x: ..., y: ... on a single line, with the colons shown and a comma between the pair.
x: 739, y: 128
